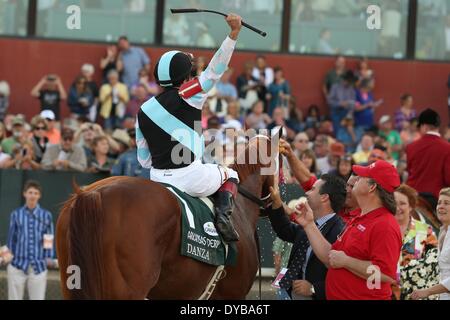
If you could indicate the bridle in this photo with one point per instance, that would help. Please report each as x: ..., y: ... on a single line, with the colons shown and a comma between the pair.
x: 263, y: 203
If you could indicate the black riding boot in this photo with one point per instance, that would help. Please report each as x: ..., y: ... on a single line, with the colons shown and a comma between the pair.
x: 223, y: 206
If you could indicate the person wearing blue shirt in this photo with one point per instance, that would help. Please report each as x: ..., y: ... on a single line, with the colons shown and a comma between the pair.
x: 133, y: 59
x: 30, y: 240
x: 127, y: 164
x: 365, y: 106
x: 279, y: 92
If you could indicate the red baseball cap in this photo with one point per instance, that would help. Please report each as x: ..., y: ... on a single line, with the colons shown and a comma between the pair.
x: 382, y: 172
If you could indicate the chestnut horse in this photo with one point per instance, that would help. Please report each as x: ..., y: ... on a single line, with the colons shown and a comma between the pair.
x: 124, y: 235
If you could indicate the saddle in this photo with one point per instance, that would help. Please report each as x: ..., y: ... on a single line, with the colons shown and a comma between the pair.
x: 199, y: 237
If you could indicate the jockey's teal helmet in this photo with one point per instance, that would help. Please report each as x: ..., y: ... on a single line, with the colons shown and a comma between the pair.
x: 173, y: 68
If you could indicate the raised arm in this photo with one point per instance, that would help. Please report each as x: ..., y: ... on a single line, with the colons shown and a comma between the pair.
x: 218, y: 64
x: 299, y: 169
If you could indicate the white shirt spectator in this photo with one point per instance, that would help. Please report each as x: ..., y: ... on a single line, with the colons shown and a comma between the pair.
x: 444, y: 265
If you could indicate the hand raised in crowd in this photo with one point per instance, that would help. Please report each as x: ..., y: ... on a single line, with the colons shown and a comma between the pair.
x: 276, y: 198
x: 338, y: 259
x: 302, y: 288
x: 304, y: 214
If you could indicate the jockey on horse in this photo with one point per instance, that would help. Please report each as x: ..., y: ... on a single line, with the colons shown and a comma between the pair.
x: 169, y: 125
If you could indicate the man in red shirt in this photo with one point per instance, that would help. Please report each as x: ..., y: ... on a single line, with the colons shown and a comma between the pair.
x: 363, y: 261
x: 428, y: 159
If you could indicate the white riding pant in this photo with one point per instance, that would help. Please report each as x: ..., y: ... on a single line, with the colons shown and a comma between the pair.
x: 17, y: 280
x: 197, y: 179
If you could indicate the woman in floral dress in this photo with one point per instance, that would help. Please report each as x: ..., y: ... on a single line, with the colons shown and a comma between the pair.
x: 418, y: 264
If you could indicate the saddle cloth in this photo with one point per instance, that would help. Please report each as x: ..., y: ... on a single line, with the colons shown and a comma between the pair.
x: 199, y: 237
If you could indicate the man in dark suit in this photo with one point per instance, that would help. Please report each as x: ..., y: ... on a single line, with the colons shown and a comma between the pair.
x: 305, y: 278
x: 428, y: 159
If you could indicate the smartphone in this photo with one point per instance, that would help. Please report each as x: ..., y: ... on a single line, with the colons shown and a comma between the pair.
x: 24, y: 152
x: 51, y: 77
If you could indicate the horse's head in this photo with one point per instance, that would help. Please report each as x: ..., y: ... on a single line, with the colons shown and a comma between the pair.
x: 259, y: 163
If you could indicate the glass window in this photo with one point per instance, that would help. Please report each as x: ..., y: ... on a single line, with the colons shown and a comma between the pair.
x: 433, y: 30
x: 341, y: 26
x: 102, y: 20
x: 13, y: 17
x: 208, y: 30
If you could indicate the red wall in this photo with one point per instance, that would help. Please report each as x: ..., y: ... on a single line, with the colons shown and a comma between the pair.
x: 24, y: 62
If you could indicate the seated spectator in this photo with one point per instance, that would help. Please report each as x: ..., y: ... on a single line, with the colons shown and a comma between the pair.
x: 53, y: 134
x: 365, y: 106
x: 329, y: 163
x: 309, y: 160
x: 110, y: 62
x: 348, y: 134
x: 122, y: 142
x: 334, y: 76
x: 151, y: 88
x: 405, y: 113
x: 419, y: 255
x: 378, y: 153
x: 321, y: 146
x: 80, y: 98
x: 139, y: 98
x: 39, y: 139
x: 391, y: 136
x: 249, y: 90
x: 50, y: 91
x: 313, y: 117
x: 226, y: 92
x: 301, y: 143
x: 279, y: 92
x: 18, y: 138
x: 99, y: 162
x: 344, y: 167
x: 278, y: 119
x: 257, y: 119
x: 88, y: 71
x: 366, y: 144
x: 65, y: 156
x: 4, y: 99
x: 443, y: 288
x: 23, y: 158
x: 410, y: 132
x: 113, y: 99
x: 233, y: 113
x: 295, y: 116
x: 84, y: 137
x: 127, y: 164
x: 341, y: 99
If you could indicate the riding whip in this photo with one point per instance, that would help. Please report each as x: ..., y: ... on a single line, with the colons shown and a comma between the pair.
x: 175, y: 11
